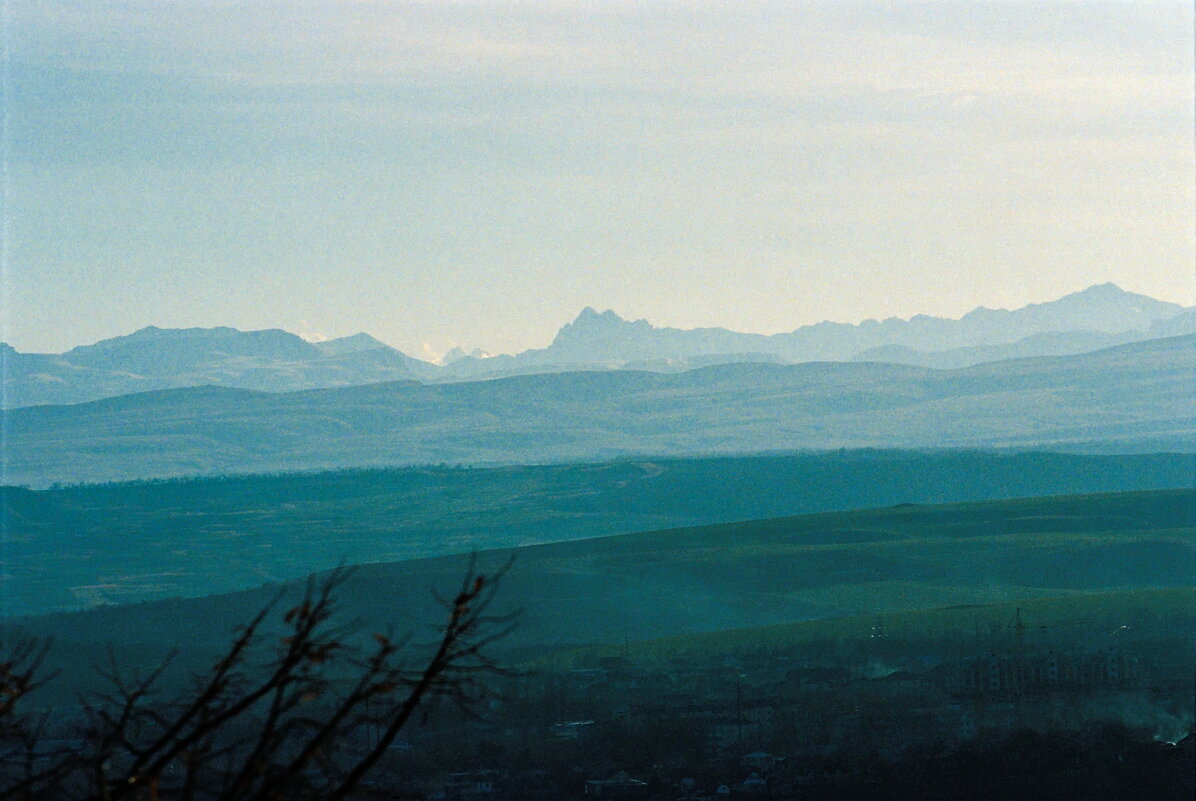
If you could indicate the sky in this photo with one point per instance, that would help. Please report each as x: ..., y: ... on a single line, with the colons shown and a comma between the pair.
x: 472, y: 173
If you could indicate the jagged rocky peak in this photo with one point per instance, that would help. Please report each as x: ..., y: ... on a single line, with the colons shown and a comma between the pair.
x: 592, y: 323
x: 590, y: 317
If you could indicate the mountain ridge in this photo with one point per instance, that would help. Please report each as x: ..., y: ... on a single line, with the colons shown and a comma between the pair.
x: 1128, y: 398
x: 1103, y: 308
x: 275, y: 360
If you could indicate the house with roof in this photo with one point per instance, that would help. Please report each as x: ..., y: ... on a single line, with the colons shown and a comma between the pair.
x: 621, y: 785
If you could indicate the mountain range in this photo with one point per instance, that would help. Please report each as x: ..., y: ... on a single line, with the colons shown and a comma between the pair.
x: 156, y: 358
x: 1130, y: 398
x: 278, y: 361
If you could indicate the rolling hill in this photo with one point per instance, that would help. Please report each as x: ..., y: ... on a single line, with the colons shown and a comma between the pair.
x: 1132, y: 397
x: 73, y: 547
x: 717, y: 578
x: 1054, y: 620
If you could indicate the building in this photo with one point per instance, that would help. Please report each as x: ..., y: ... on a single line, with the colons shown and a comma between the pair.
x: 620, y: 785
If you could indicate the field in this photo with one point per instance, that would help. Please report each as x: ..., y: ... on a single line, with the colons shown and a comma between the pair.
x: 1107, y: 615
x: 74, y: 547
x: 717, y: 578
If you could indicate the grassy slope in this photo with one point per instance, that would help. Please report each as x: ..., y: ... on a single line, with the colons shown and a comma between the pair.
x: 76, y: 546
x: 1044, y: 618
x: 723, y: 577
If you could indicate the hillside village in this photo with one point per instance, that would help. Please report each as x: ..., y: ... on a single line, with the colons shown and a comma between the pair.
x: 840, y: 722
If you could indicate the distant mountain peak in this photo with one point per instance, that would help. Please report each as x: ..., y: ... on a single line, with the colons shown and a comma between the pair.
x: 453, y: 354
x: 1107, y: 288
x: 457, y: 353
x: 1110, y: 298
x: 589, y: 314
x: 362, y: 337
x: 605, y: 337
x: 350, y: 344
x: 592, y: 325
x: 1104, y: 306
x: 274, y: 359
x: 1107, y: 292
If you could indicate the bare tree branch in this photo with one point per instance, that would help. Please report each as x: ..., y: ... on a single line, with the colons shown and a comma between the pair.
x: 256, y: 731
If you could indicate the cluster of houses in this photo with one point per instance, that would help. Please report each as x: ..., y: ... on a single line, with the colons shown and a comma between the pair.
x: 1037, y: 672
x: 755, y: 726
x: 743, y: 703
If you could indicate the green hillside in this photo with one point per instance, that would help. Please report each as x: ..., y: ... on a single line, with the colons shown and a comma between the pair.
x: 1051, y: 620
x: 73, y: 547
x: 717, y: 578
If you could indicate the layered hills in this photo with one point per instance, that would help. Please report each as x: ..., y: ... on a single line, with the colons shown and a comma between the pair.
x: 73, y: 547
x: 728, y: 576
x: 1134, y: 397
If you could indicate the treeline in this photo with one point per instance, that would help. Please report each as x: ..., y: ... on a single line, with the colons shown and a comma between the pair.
x: 827, y: 480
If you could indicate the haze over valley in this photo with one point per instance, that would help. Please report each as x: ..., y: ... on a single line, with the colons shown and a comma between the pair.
x: 456, y: 400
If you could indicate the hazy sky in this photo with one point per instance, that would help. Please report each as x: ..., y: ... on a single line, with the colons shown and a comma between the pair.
x: 473, y: 173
